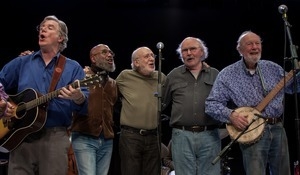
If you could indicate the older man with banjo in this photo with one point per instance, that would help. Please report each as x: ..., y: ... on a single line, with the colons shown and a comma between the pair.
x: 248, y: 97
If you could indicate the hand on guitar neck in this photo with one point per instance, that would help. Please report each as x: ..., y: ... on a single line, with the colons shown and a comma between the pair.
x: 72, y: 93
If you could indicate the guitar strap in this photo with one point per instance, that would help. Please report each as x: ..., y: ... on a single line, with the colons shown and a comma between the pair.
x: 262, y: 81
x: 59, y: 67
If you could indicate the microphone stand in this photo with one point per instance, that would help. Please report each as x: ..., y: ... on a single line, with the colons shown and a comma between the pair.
x: 294, y: 60
x: 158, y: 95
x: 228, y: 147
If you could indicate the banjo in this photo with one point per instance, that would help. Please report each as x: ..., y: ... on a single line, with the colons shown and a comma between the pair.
x: 256, y: 128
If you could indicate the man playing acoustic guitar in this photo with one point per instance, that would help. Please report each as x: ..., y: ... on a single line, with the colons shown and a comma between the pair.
x: 247, y: 89
x: 38, y: 78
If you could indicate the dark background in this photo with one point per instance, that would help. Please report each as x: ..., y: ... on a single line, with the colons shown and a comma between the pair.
x: 125, y: 25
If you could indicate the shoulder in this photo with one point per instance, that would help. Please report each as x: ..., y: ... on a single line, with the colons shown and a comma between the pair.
x: 72, y: 62
x: 124, y: 73
x: 232, y: 67
x: 177, y: 70
x: 268, y: 63
x: 212, y: 70
x: 270, y: 66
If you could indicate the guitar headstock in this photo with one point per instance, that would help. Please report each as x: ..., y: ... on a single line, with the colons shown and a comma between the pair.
x: 91, y: 80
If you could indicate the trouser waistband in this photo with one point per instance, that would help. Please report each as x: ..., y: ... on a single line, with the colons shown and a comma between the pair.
x: 142, y: 132
x: 196, y: 128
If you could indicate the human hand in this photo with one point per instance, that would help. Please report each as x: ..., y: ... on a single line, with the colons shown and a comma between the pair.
x: 27, y: 52
x: 71, y: 93
x: 6, y: 109
x: 239, y: 120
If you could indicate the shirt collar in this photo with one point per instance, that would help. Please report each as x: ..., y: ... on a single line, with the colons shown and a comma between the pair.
x: 204, y: 69
x: 38, y: 54
x: 244, y: 67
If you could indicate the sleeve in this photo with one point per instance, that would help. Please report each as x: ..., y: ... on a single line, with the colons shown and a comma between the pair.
x: 216, y: 102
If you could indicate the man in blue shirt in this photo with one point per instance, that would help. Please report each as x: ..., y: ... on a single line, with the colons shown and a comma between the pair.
x: 239, y: 95
x: 47, y: 154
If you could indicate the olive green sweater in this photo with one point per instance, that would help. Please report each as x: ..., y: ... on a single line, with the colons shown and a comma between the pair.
x: 139, y: 103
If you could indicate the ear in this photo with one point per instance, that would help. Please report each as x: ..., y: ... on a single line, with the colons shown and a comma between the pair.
x: 60, y: 39
x: 93, y: 59
x: 136, y: 62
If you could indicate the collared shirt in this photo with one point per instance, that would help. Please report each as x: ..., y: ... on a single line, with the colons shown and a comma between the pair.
x: 236, y: 87
x: 188, y: 95
x: 30, y: 71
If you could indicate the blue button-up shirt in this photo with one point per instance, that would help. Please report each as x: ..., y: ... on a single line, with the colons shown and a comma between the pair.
x: 30, y: 71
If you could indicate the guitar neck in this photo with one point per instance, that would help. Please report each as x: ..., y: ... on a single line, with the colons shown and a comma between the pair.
x: 47, y: 97
x: 95, y: 79
x: 274, y: 91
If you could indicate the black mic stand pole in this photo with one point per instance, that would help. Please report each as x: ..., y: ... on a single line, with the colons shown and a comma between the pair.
x: 159, y: 46
x: 293, y: 50
x: 228, y: 147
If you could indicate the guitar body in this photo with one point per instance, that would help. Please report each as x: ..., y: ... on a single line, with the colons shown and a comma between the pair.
x: 26, y: 120
x: 255, y: 130
x: 30, y: 113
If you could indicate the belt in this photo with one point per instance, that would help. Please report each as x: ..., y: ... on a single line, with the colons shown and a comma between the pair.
x: 273, y: 121
x: 196, y: 128
x: 142, y: 132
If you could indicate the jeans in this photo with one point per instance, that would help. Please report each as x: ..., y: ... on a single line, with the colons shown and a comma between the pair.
x: 139, y: 154
x: 272, y: 149
x: 193, y: 152
x: 93, y: 155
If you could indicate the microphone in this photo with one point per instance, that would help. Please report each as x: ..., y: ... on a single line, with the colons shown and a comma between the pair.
x: 160, y: 45
x: 282, y: 9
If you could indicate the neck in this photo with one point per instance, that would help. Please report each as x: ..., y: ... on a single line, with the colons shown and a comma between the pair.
x: 97, y: 69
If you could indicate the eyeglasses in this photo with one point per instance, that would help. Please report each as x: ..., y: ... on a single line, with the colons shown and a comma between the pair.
x: 105, y: 52
x: 39, y: 28
x: 147, y: 56
x: 192, y: 49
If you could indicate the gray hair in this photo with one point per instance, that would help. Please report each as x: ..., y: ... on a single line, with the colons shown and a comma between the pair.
x: 201, y: 44
x: 133, y: 58
x: 63, y: 30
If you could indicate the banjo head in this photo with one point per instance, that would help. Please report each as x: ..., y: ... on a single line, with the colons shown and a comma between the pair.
x: 255, y: 130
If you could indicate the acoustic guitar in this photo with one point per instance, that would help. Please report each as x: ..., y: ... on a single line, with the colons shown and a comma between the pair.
x: 30, y: 114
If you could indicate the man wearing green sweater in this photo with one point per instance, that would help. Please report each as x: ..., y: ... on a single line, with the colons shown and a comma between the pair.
x: 138, y: 144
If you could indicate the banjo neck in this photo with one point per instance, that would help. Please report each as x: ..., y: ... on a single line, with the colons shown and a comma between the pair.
x: 255, y: 130
x: 274, y: 91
